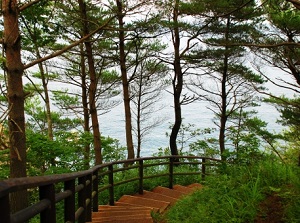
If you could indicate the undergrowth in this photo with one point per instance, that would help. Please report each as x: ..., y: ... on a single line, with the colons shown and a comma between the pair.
x: 235, y: 194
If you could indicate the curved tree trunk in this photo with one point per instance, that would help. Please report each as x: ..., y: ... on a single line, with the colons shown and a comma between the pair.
x: 177, y: 82
x: 16, y: 96
x: 223, y: 114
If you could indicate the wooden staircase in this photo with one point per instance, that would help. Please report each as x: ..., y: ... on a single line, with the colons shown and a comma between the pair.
x: 138, y: 208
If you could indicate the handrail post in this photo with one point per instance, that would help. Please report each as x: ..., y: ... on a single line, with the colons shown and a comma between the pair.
x: 141, y: 176
x: 95, y: 191
x: 70, y: 201
x: 5, y: 208
x: 48, y: 192
x: 111, y: 182
x: 203, y: 167
x: 89, y: 191
x: 82, y: 199
x: 171, y: 172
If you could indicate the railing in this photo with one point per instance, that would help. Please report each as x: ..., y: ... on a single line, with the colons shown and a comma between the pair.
x: 81, y: 189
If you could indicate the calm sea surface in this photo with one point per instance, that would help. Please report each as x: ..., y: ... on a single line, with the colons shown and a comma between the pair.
x: 113, y: 125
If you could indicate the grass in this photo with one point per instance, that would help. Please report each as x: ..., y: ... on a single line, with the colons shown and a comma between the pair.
x: 236, y: 194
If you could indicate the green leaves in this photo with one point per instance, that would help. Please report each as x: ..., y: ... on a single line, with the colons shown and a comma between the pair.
x: 235, y: 195
x: 191, y: 8
x: 283, y: 15
x: 38, y: 26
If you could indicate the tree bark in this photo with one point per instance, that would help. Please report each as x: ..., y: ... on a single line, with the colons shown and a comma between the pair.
x: 224, y: 115
x: 177, y: 82
x: 93, y: 85
x: 46, y: 97
x: 139, y: 117
x: 84, y: 98
x: 15, y: 94
x: 47, y: 102
x: 125, y: 82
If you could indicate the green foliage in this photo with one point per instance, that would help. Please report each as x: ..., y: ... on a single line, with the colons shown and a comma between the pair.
x: 66, y: 152
x: 4, y: 164
x: 112, y: 150
x: 188, y: 137
x: 290, y: 146
x: 63, y: 154
x: 108, y: 77
x: 191, y: 8
x: 37, y: 118
x: 208, y: 146
x: 65, y: 100
x: 289, y: 110
x: 248, y: 136
x: 235, y: 195
x: 283, y: 14
x: 39, y: 27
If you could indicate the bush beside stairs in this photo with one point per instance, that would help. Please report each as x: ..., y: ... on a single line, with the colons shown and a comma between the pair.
x: 138, y: 208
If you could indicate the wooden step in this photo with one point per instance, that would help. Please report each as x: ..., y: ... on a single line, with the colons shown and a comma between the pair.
x: 168, y: 192
x: 122, y: 208
x: 123, y: 204
x: 183, y: 189
x: 157, y: 196
x: 123, y: 217
x: 161, y: 205
x: 124, y: 212
x: 135, y: 219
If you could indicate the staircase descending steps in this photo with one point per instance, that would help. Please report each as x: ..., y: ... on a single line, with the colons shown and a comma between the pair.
x: 138, y: 208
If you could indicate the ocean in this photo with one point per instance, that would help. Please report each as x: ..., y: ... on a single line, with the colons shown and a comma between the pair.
x: 112, y: 123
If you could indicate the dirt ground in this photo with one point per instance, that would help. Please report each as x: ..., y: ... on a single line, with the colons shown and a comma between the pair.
x: 271, y: 210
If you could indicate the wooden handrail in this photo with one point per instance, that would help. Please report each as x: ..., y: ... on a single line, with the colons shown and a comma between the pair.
x: 86, y: 185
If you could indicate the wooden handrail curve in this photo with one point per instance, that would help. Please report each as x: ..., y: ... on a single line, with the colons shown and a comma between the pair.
x: 81, y: 189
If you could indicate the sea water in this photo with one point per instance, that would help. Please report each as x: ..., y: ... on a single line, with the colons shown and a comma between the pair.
x: 196, y: 113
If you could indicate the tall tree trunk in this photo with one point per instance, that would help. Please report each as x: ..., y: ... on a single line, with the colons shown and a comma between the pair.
x: 16, y: 96
x: 125, y: 82
x: 46, y: 98
x: 177, y: 82
x: 47, y: 101
x: 93, y: 85
x: 224, y: 115
x: 84, y: 98
x: 139, y: 117
x: 238, y: 134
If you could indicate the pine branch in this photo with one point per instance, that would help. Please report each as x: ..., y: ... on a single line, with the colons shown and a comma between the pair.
x: 59, y: 52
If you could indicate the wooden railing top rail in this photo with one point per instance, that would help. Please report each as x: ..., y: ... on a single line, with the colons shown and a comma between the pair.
x: 16, y: 184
